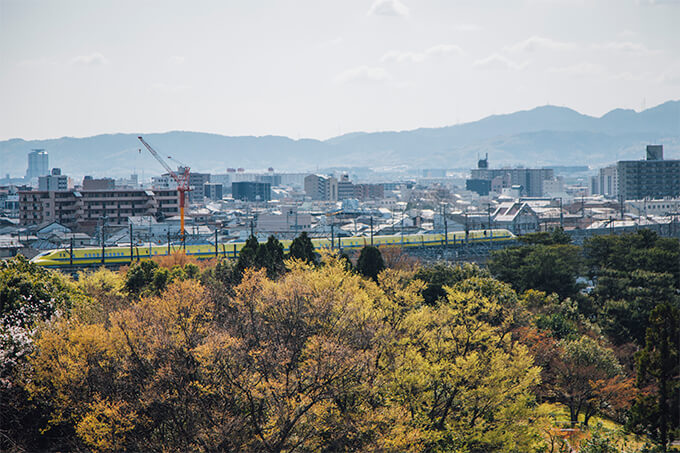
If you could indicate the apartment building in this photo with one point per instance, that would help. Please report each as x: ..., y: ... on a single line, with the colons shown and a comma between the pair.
x: 650, y: 178
x: 86, y: 208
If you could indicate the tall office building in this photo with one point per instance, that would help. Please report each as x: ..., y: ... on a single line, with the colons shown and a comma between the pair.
x: 484, y: 179
x: 319, y: 187
x: 609, y: 181
x: 38, y: 164
x: 54, y: 181
x: 650, y: 178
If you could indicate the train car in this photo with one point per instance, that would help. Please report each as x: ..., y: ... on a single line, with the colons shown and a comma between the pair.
x: 123, y: 254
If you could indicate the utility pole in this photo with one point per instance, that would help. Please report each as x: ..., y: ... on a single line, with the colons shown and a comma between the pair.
x: 489, y: 226
x: 104, y: 239
x: 168, y: 241
x: 467, y: 228
x: 561, y: 215
x: 332, y: 237
x: 446, y: 233
x: 371, y: 230
x: 71, y: 251
x: 216, y: 251
x: 131, y: 251
x: 252, y: 228
x: 403, y: 213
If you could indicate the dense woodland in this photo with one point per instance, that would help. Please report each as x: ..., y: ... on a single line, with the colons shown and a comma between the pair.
x: 550, y: 347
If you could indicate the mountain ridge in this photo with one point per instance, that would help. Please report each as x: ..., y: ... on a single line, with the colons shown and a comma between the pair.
x: 543, y: 135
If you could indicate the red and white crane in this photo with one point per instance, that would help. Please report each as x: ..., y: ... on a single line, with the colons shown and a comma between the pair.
x: 181, y: 180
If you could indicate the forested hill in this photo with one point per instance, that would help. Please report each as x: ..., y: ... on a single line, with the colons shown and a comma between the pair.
x: 547, y: 135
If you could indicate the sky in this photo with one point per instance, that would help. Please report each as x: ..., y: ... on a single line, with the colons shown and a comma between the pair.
x: 322, y: 68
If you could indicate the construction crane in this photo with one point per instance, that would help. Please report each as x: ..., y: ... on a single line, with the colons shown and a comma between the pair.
x: 181, y: 180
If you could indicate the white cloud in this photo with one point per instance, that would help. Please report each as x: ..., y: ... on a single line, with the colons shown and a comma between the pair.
x: 176, y: 60
x: 536, y: 43
x: 403, y: 57
x: 626, y: 47
x: 363, y: 74
x: 444, y: 49
x: 496, y: 61
x: 670, y: 77
x: 93, y: 59
x: 388, y: 8
x: 579, y: 69
x: 416, y: 57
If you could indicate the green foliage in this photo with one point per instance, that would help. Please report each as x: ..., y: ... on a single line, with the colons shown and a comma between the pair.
x: 267, y: 256
x: 642, y: 250
x: 655, y: 412
x: 548, y: 268
x: 442, y: 275
x: 302, y: 249
x: 139, y: 276
x: 554, y: 237
x: 370, y: 262
x: 583, y: 367
x: 633, y: 273
x: 148, y: 278
x: 29, y: 296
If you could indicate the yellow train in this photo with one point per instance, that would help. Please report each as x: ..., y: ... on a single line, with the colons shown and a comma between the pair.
x: 125, y: 254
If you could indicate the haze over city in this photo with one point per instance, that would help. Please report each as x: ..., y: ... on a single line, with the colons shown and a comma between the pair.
x: 321, y: 69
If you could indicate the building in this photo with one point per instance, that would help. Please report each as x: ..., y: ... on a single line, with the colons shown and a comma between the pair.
x: 54, y: 181
x: 517, y: 217
x: 38, y: 164
x: 323, y: 188
x: 644, y: 208
x: 90, y: 183
x: 345, y: 188
x: 251, y: 191
x: 288, y: 221
x: 531, y: 179
x: 213, y: 191
x: 608, y: 182
x: 650, y: 178
x: 365, y: 192
x: 480, y: 186
x: 196, y: 183
x: 85, y: 209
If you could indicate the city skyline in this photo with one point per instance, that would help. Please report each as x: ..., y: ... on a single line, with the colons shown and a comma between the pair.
x: 309, y: 70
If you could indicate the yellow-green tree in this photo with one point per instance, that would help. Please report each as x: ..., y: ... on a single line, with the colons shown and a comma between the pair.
x: 464, y: 383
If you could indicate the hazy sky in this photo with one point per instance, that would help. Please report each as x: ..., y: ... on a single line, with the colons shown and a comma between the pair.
x: 318, y: 68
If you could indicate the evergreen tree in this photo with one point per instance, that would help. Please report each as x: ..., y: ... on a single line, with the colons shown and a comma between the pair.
x: 247, y: 257
x: 370, y: 262
x: 657, y: 413
x: 270, y: 257
x: 302, y: 248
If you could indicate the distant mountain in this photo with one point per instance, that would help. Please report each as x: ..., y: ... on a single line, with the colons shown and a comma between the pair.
x: 547, y: 135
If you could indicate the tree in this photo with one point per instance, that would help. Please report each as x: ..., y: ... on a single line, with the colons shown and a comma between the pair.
x: 463, y: 382
x: 302, y: 249
x: 548, y: 268
x: 29, y: 296
x: 582, y: 372
x: 370, y: 262
x: 270, y: 257
x: 655, y: 412
x: 442, y: 275
x: 139, y: 276
x: 247, y: 257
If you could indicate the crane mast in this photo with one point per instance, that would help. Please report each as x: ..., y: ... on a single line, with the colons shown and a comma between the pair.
x: 182, y: 183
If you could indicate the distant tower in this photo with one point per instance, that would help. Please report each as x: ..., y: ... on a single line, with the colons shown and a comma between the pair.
x: 38, y: 164
x: 483, y: 163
